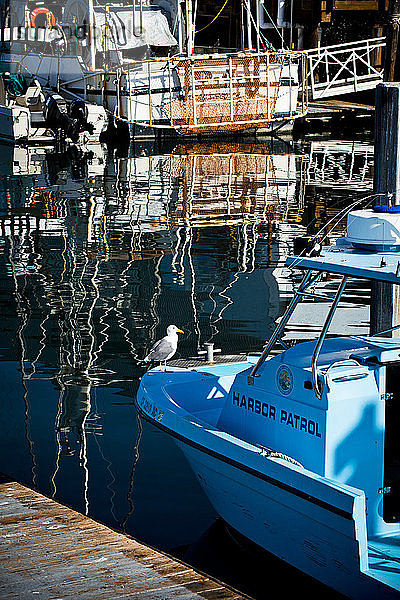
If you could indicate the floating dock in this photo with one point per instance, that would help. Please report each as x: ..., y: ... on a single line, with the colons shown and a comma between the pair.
x: 49, y: 551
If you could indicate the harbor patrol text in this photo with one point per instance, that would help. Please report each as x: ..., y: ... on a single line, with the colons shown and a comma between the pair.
x: 269, y: 411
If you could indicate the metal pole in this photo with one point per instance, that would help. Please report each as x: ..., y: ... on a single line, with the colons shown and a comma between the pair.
x: 92, y: 33
x: 282, y: 324
x: 242, y: 24
x: 189, y: 27
x: 249, y: 42
x: 322, y: 335
x: 180, y: 32
x: 193, y: 93
x: 258, y: 25
x: 149, y: 75
x: 230, y: 88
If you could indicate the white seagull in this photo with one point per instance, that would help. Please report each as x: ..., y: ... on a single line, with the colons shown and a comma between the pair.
x: 165, y: 348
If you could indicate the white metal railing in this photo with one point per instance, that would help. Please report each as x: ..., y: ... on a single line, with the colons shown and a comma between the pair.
x: 341, y: 165
x: 344, y: 68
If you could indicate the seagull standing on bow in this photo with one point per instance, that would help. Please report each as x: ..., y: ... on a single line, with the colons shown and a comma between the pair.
x: 165, y: 348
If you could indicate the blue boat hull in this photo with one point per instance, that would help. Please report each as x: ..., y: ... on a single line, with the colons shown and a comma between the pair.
x: 311, y: 521
x: 320, y: 541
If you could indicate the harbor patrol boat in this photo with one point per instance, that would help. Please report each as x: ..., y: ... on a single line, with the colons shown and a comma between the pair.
x: 297, y: 450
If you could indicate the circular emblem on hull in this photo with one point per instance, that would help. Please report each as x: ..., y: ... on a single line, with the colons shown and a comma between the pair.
x: 284, y: 380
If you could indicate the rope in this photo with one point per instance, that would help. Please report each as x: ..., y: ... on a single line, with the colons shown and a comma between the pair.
x: 214, y: 19
x: 268, y: 45
x: 274, y: 454
x: 273, y: 23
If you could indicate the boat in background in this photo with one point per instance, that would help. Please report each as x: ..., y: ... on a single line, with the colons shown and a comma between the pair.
x: 297, y: 450
x: 31, y: 115
x: 126, y: 60
x: 22, y: 108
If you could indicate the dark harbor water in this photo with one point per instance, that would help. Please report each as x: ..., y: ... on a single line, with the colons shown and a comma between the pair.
x: 99, y: 253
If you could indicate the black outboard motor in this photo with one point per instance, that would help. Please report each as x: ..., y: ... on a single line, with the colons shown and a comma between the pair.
x: 79, y: 112
x: 67, y: 122
x: 57, y: 117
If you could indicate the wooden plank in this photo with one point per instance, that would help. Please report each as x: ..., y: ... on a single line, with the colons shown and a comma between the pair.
x: 355, y: 5
x: 51, y: 551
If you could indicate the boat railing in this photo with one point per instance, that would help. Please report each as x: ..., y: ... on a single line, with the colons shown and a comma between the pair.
x: 281, y: 326
x: 224, y: 91
x: 203, y: 93
x: 308, y: 279
x: 322, y: 335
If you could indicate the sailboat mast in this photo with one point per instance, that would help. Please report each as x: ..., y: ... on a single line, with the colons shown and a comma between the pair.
x: 249, y: 41
x: 258, y: 26
x: 92, y: 26
x: 189, y: 27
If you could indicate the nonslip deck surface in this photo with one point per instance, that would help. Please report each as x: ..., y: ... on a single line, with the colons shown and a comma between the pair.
x: 50, y: 552
x: 188, y: 363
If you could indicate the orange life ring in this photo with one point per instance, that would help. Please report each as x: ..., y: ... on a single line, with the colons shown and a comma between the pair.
x: 40, y: 10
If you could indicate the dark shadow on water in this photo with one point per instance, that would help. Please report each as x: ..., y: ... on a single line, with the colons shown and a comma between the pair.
x: 228, y: 556
x: 5, y: 478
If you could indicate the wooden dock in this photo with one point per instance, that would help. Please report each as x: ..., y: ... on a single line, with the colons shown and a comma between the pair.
x: 51, y: 552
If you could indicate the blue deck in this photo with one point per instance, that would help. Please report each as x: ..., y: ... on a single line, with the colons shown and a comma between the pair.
x: 343, y: 259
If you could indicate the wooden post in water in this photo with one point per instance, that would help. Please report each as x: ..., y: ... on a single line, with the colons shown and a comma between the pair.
x: 392, y: 60
x: 385, y: 297
x: 387, y: 143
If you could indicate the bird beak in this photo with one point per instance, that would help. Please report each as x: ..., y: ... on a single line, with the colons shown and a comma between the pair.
x: 180, y: 331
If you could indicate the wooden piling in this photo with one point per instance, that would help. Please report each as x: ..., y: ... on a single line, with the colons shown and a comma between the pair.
x: 392, y: 59
x: 387, y: 143
x: 385, y: 297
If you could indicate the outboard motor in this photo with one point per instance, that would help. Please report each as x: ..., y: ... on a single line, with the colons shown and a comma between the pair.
x: 69, y: 121
x: 57, y: 117
x: 79, y: 112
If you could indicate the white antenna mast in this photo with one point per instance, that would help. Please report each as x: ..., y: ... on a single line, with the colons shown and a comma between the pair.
x: 189, y: 27
x: 92, y: 29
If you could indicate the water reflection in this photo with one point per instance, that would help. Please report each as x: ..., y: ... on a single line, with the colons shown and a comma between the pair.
x: 100, y: 253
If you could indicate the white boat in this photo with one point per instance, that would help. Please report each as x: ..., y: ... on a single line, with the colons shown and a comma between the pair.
x: 101, y: 54
x: 22, y: 117
x: 297, y: 450
x: 29, y: 115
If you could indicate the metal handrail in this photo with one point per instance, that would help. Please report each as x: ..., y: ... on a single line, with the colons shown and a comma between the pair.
x: 342, y: 363
x: 349, y: 45
x: 280, y: 327
x: 322, y: 335
x: 307, y: 280
x: 347, y: 60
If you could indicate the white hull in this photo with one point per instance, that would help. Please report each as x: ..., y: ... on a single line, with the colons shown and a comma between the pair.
x: 316, y: 539
x: 218, y: 94
x: 18, y: 124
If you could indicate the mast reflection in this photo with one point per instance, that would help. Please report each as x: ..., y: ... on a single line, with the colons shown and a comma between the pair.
x: 102, y: 252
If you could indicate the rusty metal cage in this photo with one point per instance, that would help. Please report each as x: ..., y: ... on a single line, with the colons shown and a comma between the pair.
x: 228, y: 93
